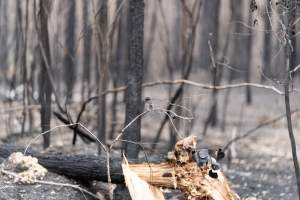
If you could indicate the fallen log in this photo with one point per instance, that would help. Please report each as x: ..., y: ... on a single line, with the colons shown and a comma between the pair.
x: 196, y: 178
x: 83, y: 167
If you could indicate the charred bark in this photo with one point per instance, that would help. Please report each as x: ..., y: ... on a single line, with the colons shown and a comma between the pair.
x: 80, y: 167
x: 45, y: 85
x: 209, y: 33
x: 248, y: 47
x: 290, y: 53
x: 120, y: 62
x: 101, y: 19
x: 267, y: 55
x: 87, y: 41
x: 69, y: 64
x: 134, y: 77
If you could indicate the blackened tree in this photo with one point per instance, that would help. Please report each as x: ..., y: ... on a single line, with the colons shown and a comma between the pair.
x: 134, y: 77
x: 101, y: 20
x: 45, y: 85
x: 69, y: 64
x: 87, y: 40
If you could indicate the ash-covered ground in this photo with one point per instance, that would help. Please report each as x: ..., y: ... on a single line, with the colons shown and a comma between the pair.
x: 261, y: 164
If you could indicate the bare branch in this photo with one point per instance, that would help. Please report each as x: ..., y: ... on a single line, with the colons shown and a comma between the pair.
x: 251, y: 131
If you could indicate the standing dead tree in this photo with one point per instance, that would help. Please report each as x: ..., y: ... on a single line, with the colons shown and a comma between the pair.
x: 151, y: 38
x: 103, y: 51
x: 208, y: 51
x: 69, y: 56
x: 45, y: 85
x: 87, y: 40
x: 267, y: 42
x: 290, y: 50
x: 184, y: 19
x: 134, y: 76
x: 248, y: 47
x: 216, y: 73
x: 165, y: 39
x: 24, y: 67
x: 18, y: 44
x: 237, y: 15
x: 4, y: 35
x: 119, y: 61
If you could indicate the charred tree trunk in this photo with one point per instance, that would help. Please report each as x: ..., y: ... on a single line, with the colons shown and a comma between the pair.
x: 248, y: 47
x: 267, y: 43
x: 31, y: 91
x: 236, y: 12
x: 175, y: 50
x: 134, y: 77
x: 17, y: 51
x: 24, y: 70
x: 69, y: 57
x: 290, y: 50
x: 101, y: 20
x: 238, y: 46
x: 119, y: 63
x: 209, y: 39
x: 45, y: 85
x: 150, y: 42
x: 209, y: 30
x: 32, y: 84
x: 114, y: 118
x: 4, y: 36
x: 87, y: 41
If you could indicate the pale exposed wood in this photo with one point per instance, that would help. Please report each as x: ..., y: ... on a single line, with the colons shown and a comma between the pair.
x: 138, y: 188
x: 182, y: 172
x: 162, y: 174
x: 192, y: 180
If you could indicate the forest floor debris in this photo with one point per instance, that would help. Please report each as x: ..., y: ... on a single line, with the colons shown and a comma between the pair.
x: 262, y: 167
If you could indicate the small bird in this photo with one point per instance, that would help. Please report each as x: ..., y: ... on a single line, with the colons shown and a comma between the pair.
x: 148, y: 104
x: 208, y: 157
x: 201, y: 157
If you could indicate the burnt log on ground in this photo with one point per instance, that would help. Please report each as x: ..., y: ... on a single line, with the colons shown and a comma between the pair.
x: 178, y: 171
x: 79, y: 167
